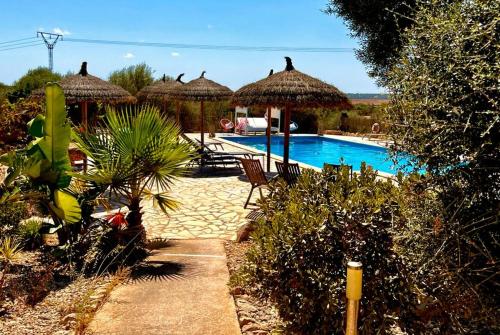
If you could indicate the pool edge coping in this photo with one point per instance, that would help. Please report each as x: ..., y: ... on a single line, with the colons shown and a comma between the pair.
x: 301, y: 164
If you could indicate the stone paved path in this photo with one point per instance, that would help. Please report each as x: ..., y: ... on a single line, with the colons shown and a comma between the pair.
x: 210, y: 207
x: 181, y: 290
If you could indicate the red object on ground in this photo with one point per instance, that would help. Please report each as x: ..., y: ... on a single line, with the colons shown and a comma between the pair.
x: 117, y: 220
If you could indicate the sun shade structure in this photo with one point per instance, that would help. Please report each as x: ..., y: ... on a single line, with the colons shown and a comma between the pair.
x: 83, y: 88
x: 202, y: 89
x: 291, y: 89
x: 162, y: 91
x: 268, y: 129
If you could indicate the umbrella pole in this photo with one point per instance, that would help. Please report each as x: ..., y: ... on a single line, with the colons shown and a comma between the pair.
x: 286, y: 144
x: 85, y: 127
x: 268, y: 134
x: 165, y: 107
x: 83, y: 106
x: 202, y: 126
x: 178, y: 113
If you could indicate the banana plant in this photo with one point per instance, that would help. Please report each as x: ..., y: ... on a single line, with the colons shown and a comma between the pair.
x: 45, y: 162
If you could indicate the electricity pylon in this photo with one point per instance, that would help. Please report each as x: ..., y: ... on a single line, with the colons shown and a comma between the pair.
x: 50, y: 40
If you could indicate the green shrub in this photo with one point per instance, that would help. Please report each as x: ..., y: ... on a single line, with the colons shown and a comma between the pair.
x: 29, y: 232
x: 11, y: 213
x: 312, y: 230
x: 444, y: 111
x: 32, y: 80
x: 359, y: 119
x: 133, y: 78
x: 14, y: 118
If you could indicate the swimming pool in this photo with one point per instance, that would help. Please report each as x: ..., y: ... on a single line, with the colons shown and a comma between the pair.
x: 316, y: 150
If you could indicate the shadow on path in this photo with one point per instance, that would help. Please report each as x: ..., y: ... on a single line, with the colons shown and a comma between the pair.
x: 158, y: 271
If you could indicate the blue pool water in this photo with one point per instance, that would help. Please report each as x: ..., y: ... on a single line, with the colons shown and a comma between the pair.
x: 316, y: 150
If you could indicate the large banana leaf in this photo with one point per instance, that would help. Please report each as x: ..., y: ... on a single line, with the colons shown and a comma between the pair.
x: 35, y: 126
x: 68, y: 208
x: 46, y: 158
x: 56, y: 133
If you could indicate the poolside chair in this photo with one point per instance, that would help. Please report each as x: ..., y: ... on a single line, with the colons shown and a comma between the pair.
x: 291, y: 175
x: 208, y: 157
x: 77, y: 158
x: 337, y: 168
x: 255, y: 175
x: 207, y: 145
x: 227, y: 125
x: 224, y: 161
x: 244, y: 154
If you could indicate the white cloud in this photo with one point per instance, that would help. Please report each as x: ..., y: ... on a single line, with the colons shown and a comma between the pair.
x: 129, y: 55
x: 61, y: 31
x: 175, y: 54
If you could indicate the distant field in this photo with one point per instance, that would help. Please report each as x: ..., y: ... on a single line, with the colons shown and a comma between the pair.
x: 369, y: 101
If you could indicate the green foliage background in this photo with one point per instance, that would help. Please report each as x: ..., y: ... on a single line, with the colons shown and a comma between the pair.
x: 133, y: 78
x: 32, y: 80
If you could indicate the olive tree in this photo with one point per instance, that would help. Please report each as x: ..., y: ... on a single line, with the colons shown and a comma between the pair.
x: 445, y: 112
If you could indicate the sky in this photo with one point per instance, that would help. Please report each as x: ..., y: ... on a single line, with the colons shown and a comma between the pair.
x: 297, y: 23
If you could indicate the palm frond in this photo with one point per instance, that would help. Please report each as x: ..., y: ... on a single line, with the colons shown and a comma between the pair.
x: 136, y: 149
x: 162, y: 200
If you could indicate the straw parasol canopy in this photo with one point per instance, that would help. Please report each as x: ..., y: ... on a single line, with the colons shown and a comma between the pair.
x: 202, y: 89
x: 162, y: 91
x: 159, y: 90
x: 292, y: 89
x: 83, y: 88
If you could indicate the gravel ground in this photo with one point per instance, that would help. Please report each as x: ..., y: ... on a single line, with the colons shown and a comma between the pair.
x: 256, y: 316
x: 37, y: 299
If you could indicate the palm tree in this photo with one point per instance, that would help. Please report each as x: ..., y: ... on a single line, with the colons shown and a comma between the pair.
x: 135, y: 154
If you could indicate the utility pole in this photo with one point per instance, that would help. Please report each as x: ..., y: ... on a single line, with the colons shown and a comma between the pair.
x: 50, y: 40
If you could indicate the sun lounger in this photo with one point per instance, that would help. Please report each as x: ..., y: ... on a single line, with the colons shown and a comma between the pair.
x: 253, y: 125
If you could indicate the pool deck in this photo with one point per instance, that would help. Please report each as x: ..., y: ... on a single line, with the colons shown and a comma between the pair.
x: 211, y: 203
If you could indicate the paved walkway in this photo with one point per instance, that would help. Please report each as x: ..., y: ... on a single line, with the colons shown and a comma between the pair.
x: 210, y: 207
x: 181, y: 290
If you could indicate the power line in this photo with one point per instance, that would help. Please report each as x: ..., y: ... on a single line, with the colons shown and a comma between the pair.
x: 20, y: 47
x: 20, y: 39
x: 210, y: 47
x: 16, y: 44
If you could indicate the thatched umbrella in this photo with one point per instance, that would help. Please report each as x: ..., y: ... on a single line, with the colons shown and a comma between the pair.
x: 83, y: 88
x: 291, y: 89
x: 268, y: 129
x: 162, y: 91
x: 202, y: 89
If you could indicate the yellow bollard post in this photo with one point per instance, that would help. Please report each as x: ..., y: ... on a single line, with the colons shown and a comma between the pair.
x: 353, y: 293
